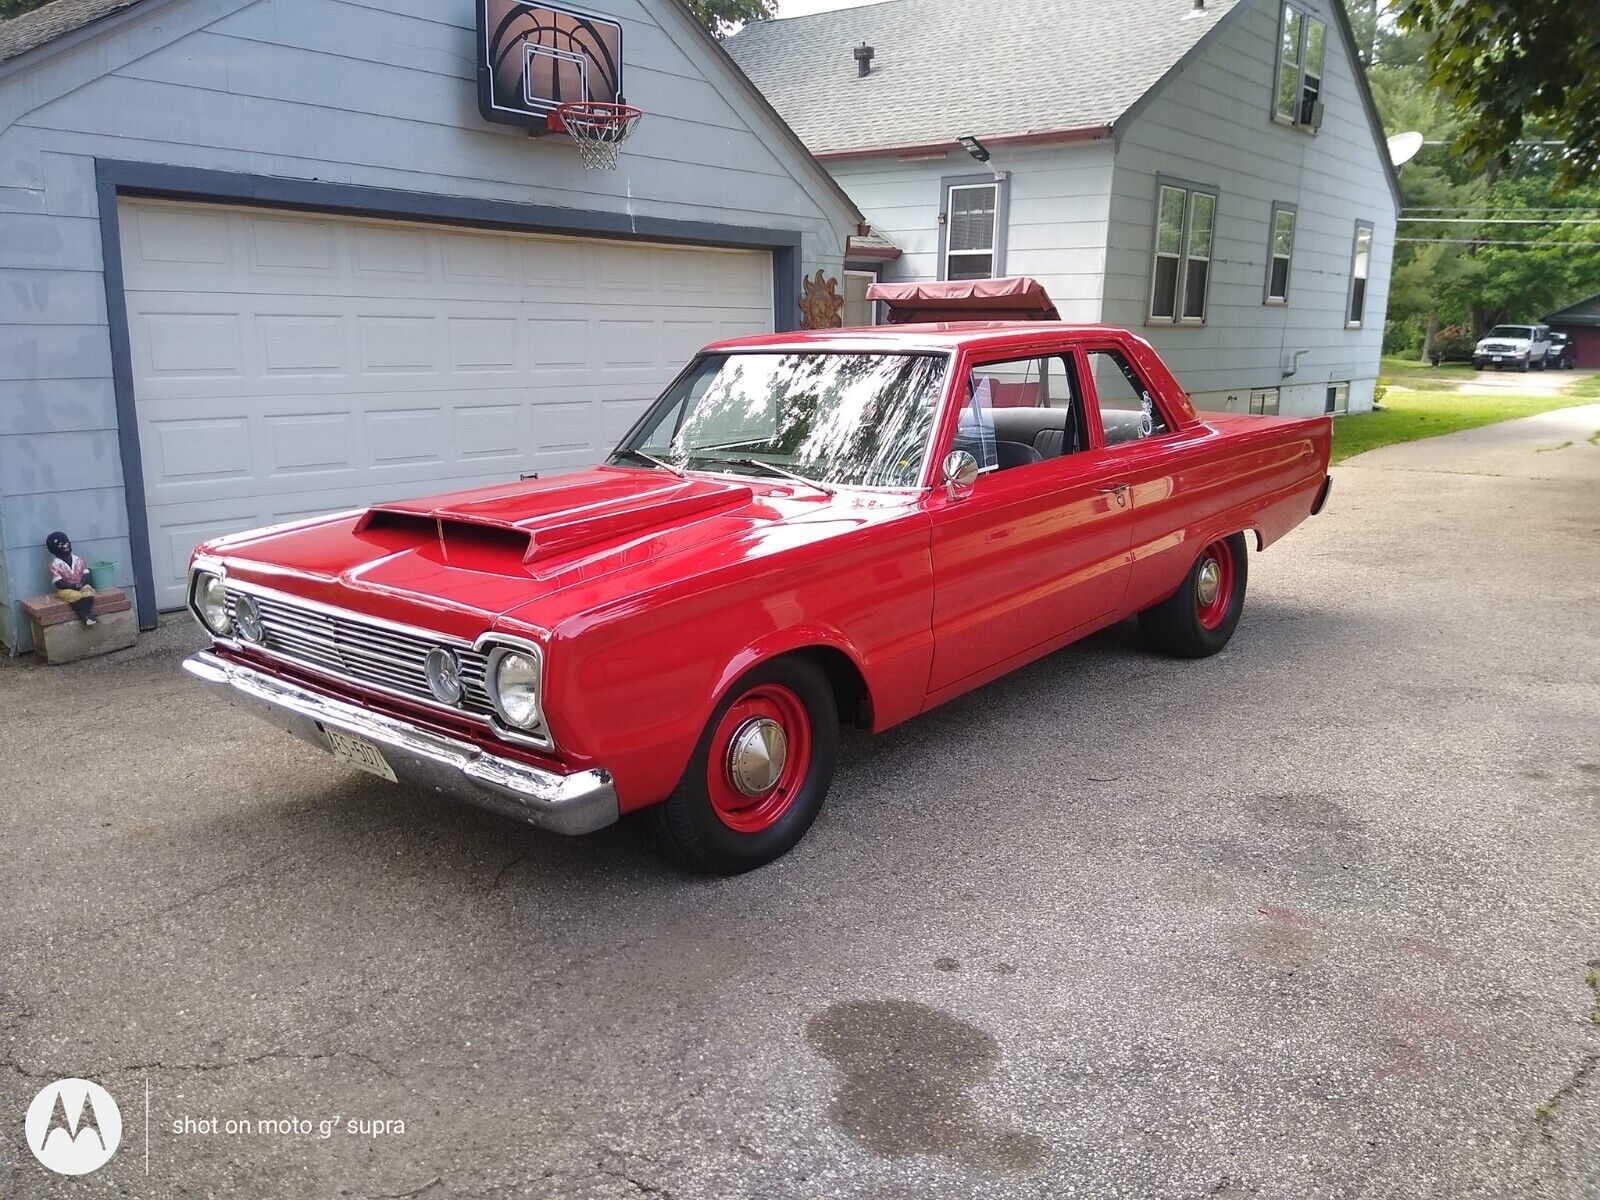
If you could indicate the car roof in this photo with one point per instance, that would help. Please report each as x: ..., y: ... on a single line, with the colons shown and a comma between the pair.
x: 934, y: 336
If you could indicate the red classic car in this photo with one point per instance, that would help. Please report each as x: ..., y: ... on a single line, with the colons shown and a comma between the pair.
x: 806, y: 528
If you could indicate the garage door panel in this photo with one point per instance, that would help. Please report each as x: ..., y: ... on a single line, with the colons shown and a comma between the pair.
x: 190, y: 344
x: 484, y: 344
x: 190, y: 450
x: 286, y: 364
x: 302, y: 344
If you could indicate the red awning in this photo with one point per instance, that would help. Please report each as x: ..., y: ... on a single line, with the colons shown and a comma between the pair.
x: 1015, y: 299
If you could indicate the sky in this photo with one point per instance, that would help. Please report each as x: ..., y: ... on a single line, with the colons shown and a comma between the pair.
x: 799, y: 8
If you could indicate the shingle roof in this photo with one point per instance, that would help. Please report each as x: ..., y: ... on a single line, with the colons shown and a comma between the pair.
x: 33, y: 29
x: 1585, y: 313
x: 945, y: 68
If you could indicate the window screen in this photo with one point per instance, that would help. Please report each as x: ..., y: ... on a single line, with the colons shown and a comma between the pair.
x: 970, y: 233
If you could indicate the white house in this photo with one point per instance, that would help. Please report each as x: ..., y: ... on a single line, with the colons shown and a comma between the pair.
x: 265, y: 258
x: 1209, y: 173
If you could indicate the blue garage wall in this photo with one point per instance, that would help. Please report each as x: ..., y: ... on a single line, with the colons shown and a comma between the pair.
x: 339, y: 93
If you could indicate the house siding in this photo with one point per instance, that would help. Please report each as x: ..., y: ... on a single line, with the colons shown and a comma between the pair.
x: 1056, y: 223
x: 1212, y: 124
x: 329, y: 90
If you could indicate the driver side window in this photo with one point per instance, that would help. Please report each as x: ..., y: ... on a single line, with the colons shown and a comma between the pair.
x: 1019, y: 412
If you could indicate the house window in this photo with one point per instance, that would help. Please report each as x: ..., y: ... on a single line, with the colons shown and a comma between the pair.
x: 1338, y: 398
x: 1302, y: 52
x: 1264, y: 402
x: 858, y: 310
x: 1180, y: 277
x: 972, y: 221
x: 1360, y: 268
x: 1279, y: 253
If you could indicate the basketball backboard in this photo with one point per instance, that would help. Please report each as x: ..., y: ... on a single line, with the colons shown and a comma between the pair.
x: 534, y: 57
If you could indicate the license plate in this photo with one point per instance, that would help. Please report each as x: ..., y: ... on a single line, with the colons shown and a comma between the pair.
x: 359, y: 753
x: 1497, y: 358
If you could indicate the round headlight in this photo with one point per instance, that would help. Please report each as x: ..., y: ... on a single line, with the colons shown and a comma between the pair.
x: 247, y: 616
x: 211, y: 599
x: 516, y: 688
x: 444, y: 674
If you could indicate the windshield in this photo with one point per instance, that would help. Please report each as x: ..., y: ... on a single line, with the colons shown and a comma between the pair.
x: 850, y: 419
x: 1511, y: 331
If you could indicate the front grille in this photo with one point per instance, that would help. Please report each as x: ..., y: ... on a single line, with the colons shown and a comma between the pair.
x: 1499, y: 348
x: 363, y: 652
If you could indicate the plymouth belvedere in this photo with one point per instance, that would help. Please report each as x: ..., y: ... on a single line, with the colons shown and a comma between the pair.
x: 850, y: 525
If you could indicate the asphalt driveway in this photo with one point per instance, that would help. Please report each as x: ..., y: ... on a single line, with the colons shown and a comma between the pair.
x: 1312, y: 918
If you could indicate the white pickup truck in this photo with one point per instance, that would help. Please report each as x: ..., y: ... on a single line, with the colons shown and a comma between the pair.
x: 1521, y: 346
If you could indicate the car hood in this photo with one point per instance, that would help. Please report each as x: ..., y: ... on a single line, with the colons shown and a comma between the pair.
x: 457, y: 560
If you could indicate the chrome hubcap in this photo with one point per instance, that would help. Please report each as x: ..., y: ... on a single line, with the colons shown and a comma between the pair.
x: 756, y: 755
x: 1205, y: 588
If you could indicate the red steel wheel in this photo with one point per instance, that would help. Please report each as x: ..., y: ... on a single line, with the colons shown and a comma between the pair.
x: 1199, y: 618
x: 758, y: 774
x: 760, y: 755
x: 1213, y: 585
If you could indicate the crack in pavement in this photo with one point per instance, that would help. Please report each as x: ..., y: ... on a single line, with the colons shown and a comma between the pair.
x: 416, y: 1191
x: 264, y: 1056
x: 211, y: 889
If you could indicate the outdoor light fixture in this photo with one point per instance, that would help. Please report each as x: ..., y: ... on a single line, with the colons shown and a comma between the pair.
x: 975, y: 148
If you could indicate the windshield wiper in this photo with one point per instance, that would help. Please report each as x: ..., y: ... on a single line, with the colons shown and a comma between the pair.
x: 771, y: 468
x: 629, y: 452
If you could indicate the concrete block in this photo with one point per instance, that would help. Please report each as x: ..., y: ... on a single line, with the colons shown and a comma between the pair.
x: 60, y: 637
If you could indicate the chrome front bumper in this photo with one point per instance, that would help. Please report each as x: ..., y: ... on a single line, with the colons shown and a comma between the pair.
x: 578, y: 803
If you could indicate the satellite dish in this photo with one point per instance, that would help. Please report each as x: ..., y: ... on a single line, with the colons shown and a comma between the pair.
x: 1403, y: 147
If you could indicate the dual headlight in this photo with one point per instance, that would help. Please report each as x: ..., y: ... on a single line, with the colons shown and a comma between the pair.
x: 208, y: 599
x: 514, y: 677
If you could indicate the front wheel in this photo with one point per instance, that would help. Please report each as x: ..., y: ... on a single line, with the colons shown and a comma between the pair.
x: 1199, y: 618
x: 759, y: 773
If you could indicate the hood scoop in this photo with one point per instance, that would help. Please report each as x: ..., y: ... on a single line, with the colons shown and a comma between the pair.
x: 518, y: 529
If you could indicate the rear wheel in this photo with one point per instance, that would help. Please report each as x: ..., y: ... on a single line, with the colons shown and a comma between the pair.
x: 759, y: 773
x: 1199, y: 618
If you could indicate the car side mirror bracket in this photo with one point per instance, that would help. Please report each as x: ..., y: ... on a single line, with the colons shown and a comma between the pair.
x: 960, y: 472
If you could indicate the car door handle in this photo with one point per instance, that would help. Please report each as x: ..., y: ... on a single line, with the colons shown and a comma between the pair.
x: 1119, y: 490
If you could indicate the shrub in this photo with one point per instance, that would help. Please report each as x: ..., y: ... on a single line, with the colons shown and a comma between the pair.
x: 1453, y: 342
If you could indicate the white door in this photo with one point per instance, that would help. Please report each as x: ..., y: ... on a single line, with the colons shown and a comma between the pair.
x: 287, y: 364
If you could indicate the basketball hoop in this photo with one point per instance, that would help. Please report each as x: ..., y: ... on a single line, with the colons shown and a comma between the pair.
x: 598, y: 128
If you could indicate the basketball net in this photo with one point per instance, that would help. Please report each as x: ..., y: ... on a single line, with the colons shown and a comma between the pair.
x: 599, y: 130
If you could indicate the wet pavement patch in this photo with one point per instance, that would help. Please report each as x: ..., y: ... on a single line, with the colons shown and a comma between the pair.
x: 907, y: 1070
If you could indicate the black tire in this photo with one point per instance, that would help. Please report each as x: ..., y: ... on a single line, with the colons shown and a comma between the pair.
x: 1524, y: 367
x: 687, y: 824
x: 1477, y: 366
x: 1176, y: 626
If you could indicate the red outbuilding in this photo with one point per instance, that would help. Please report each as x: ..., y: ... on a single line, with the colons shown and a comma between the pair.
x: 1581, y: 322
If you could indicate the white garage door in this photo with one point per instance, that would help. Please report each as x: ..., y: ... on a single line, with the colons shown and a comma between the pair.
x: 286, y: 364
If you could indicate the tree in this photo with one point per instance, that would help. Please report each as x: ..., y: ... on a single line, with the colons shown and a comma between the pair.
x: 1515, y: 70
x: 723, y: 17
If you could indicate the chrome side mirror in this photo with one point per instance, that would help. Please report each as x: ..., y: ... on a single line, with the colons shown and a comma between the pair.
x: 960, y: 471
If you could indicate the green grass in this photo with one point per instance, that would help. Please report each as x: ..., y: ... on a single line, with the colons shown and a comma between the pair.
x: 1407, y: 416
x: 1418, y: 376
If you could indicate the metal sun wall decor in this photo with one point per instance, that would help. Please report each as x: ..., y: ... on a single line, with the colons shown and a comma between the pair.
x: 821, y: 305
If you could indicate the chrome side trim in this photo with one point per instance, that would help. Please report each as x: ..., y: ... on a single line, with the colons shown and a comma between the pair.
x: 576, y: 803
